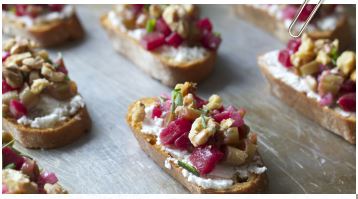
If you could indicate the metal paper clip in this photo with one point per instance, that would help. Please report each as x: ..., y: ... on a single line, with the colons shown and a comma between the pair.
x: 307, y: 21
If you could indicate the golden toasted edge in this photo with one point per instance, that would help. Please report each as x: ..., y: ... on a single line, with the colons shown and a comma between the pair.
x: 326, y: 117
x: 255, y: 184
x: 61, y: 135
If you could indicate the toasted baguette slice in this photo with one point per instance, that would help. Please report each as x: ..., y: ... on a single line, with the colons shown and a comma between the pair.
x: 277, y: 28
x: 255, y: 183
x: 326, y: 117
x: 63, y: 134
x: 155, y: 65
x: 48, y: 34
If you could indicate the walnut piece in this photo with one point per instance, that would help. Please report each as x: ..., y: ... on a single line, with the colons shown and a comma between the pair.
x: 202, y: 129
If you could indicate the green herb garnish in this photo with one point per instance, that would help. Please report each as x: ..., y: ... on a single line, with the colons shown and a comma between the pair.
x: 188, y: 167
x: 334, y: 55
x: 203, y: 120
x: 217, y: 34
x: 10, y: 166
x: 161, y: 99
x: 150, y: 25
x: 177, y: 99
x: 9, y: 144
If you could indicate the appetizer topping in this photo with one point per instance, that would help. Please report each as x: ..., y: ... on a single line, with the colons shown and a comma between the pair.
x: 198, y: 134
x: 171, y: 25
x: 32, y: 10
x: 21, y: 174
x: 326, y: 72
x: 30, y: 75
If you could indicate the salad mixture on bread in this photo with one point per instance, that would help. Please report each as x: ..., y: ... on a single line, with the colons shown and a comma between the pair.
x: 210, y: 141
x: 167, y: 25
x: 22, y: 175
x: 36, y: 90
x: 33, y: 14
x: 331, y: 75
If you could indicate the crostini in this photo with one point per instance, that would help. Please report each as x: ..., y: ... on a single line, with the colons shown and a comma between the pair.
x: 46, y: 24
x: 41, y: 105
x: 22, y: 175
x: 204, y: 145
x: 330, y: 21
x: 317, y: 80
x: 169, y: 42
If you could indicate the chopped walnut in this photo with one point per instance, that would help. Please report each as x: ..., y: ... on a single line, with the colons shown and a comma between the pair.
x: 156, y: 10
x: 6, y: 97
x: 215, y: 102
x: 138, y: 114
x: 323, y: 57
x: 13, y: 76
x: 176, y: 18
x: 16, y: 59
x: 311, y: 82
x: 17, y: 182
x: 39, y: 85
x: 34, y: 63
x: 9, y: 44
x: 49, y: 72
x: 28, y: 98
x: 346, y: 62
x: 54, y: 189
x: 33, y: 76
x: 187, y: 87
x: 353, y: 76
x: 189, y: 101
x: 305, y: 52
x: 202, y: 129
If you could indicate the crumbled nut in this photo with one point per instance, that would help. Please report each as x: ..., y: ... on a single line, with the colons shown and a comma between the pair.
x: 47, y: 70
x: 6, y: 97
x: 187, y: 87
x: 54, y: 189
x: 187, y: 112
x: 5, y: 110
x: 39, y: 85
x: 57, y: 77
x: 155, y: 10
x: 215, y: 102
x: 346, y: 62
x: 329, y: 83
x: 189, y: 101
x: 311, y: 82
x: 305, y: 52
x: 16, y: 182
x: 13, y: 76
x: 176, y: 18
x: 16, y: 59
x: 9, y: 44
x: 62, y: 90
x: 43, y: 54
x: 141, y: 20
x: 18, y: 48
x: 323, y: 58
x: 309, y: 68
x: 34, y: 63
x: 200, y: 134
x: 28, y: 98
x: 33, y: 75
x: 231, y: 134
x: 353, y: 76
x: 190, y: 9
x: 138, y: 113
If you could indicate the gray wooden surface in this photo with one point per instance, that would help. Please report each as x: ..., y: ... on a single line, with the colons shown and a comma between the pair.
x: 301, y: 156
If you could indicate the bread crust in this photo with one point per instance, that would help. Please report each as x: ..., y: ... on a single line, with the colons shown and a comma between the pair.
x: 269, y: 23
x: 326, y: 117
x: 61, y: 135
x: 153, y: 64
x: 49, y: 34
x: 255, y: 183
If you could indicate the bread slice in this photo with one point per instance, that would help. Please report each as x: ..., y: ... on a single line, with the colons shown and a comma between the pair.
x: 63, y: 134
x: 264, y: 20
x: 155, y: 65
x: 326, y: 117
x: 255, y: 183
x: 47, y: 34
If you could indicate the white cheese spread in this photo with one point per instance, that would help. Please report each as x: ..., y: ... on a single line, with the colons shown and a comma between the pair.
x: 149, y: 125
x: 66, y: 12
x: 50, y: 111
x: 295, y: 81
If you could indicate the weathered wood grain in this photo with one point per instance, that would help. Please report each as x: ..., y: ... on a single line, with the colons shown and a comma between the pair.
x: 301, y: 156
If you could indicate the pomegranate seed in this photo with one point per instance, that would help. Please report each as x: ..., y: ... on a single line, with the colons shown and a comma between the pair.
x: 348, y: 86
x: 61, y: 66
x: 6, y: 87
x: 174, y: 39
x: 206, y: 158
x: 306, y: 11
x: 204, y: 24
x: 157, y: 112
x: 5, y: 55
x: 326, y: 100
x: 211, y: 41
x: 161, y: 26
x: 289, y: 12
x: 21, y: 10
x: 284, y: 58
x: 55, y: 7
x: 293, y: 45
x: 348, y: 102
x: 17, y: 109
x: 153, y: 40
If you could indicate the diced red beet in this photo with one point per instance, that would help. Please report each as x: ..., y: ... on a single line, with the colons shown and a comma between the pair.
x: 348, y: 102
x: 21, y: 9
x: 326, y: 100
x: 235, y: 115
x: 211, y: 41
x: 17, y: 109
x: 182, y: 142
x: 5, y: 55
x: 289, y: 12
x: 137, y: 8
x: 157, y: 112
x: 55, y: 7
x: 204, y: 24
x: 6, y: 87
x: 206, y: 158
x: 307, y: 9
x: 348, y: 86
x: 10, y: 156
x: 284, y: 58
x: 162, y: 27
x: 153, y: 40
x: 293, y: 45
x: 199, y: 102
x: 174, y: 39
x: 231, y: 108
x: 174, y: 130
x: 30, y: 168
